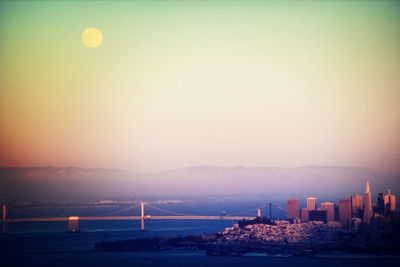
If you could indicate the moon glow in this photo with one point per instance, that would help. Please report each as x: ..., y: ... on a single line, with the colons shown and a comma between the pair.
x: 92, y: 37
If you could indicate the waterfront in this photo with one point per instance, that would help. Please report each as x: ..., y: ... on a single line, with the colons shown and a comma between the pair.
x: 48, y: 244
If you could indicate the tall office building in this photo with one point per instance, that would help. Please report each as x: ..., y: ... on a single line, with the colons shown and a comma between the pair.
x: 381, y: 204
x: 368, y: 205
x: 330, y: 210
x: 389, y: 201
x: 336, y: 213
x: 304, y: 216
x: 356, y: 205
x: 345, y: 212
x: 311, y: 203
x: 292, y: 209
x: 318, y: 215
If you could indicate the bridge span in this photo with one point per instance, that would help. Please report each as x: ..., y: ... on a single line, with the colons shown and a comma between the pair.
x: 117, y: 218
x: 73, y: 221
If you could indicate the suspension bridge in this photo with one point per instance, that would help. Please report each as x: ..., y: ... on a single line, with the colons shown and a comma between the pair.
x: 73, y: 221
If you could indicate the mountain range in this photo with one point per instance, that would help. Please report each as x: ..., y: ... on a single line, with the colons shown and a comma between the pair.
x: 19, y: 184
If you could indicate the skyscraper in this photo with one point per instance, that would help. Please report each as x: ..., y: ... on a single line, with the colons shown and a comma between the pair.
x: 381, y: 204
x: 305, y: 214
x: 389, y: 201
x: 345, y: 212
x: 311, y: 203
x: 356, y: 205
x: 368, y: 205
x: 292, y: 209
x: 330, y: 210
x: 318, y: 215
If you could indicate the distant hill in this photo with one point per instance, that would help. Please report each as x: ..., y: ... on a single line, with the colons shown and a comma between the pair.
x: 65, y: 184
x: 326, y: 181
x: 78, y: 184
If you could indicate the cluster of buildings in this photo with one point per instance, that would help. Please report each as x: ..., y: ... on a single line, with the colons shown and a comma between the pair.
x: 350, y: 212
x: 314, y: 229
x: 282, y: 232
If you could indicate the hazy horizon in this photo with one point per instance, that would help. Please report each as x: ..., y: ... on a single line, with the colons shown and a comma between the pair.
x: 178, y: 83
x: 67, y: 184
x: 200, y: 166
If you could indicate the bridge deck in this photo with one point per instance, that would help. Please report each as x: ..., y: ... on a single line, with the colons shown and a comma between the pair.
x: 116, y: 218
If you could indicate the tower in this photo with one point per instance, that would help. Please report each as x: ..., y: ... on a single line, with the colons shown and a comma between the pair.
x: 305, y: 212
x: 381, y: 204
x: 270, y: 211
x: 330, y: 210
x: 345, y: 212
x: 368, y: 205
x: 292, y: 209
x: 356, y: 205
x: 318, y: 215
x: 142, y: 216
x: 389, y: 201
x: 311, y: 203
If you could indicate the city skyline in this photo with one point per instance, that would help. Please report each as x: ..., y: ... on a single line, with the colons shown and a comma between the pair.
x: 350, y: 211
x: 180, y: 83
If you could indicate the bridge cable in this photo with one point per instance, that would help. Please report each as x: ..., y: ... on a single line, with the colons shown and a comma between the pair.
x: 120, y: 211
x: 245, y: 211
x: 170, y: 212
x: 278, y: 207
x: 28, y: 212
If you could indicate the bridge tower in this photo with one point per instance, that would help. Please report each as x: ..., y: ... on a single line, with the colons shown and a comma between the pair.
x: 73, y: 224
x: 142, y: 216
x: 4, y: 216
x: 270, y: 211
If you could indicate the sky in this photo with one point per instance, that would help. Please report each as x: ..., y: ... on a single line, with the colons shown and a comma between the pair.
x: 182, y: 83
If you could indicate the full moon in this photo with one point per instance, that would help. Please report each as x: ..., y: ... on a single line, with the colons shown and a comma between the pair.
x: 92, y: 37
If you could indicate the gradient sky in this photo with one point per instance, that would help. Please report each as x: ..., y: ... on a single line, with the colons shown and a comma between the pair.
x: 176, y: 84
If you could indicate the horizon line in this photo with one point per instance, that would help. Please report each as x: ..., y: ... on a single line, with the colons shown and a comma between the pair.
x: 198, y: 166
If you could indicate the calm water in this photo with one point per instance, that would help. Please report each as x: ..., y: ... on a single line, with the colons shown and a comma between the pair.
x: 48, y: 244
